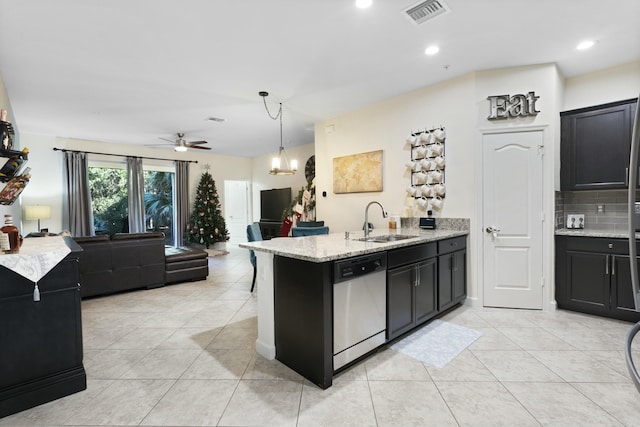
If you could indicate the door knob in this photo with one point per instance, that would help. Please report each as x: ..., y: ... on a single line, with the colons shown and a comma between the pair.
x: 493, y: 230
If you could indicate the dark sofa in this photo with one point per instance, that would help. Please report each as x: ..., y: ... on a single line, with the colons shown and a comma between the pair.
x: 121, y: 262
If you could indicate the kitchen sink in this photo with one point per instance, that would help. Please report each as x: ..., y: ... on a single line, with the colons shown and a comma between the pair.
x: 386, y: 238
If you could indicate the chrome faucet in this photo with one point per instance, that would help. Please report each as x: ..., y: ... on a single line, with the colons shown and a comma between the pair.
x: 366, y: 217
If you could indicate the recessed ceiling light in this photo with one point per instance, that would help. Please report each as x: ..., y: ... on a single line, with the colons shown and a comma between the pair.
x: 363, y: 4
x: 585, y: 45
x: 432, y: 50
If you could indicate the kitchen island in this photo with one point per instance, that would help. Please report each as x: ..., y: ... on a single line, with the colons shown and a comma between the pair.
x: 295, y: 278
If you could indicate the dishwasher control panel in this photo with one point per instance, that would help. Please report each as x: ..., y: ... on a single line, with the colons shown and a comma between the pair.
x: 353, y: 267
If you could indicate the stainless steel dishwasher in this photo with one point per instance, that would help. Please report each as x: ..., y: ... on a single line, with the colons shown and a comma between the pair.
x: 359, y: 307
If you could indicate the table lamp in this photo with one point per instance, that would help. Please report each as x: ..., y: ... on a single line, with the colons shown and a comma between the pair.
x: 38, y: 212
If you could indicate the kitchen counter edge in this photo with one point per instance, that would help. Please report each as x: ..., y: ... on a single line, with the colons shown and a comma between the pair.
x: 334, y: 246
x: 594, y: 233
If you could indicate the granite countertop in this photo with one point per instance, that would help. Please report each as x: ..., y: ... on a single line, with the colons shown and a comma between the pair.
x: 334, y: 246
x: 587, y: 232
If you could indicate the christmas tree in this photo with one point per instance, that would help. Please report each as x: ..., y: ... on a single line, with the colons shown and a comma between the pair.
x: 206, y: 224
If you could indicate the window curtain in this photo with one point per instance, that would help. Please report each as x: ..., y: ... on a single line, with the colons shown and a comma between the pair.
x: 135, y: 187
x: 78, y: 194
x: 181, y: 200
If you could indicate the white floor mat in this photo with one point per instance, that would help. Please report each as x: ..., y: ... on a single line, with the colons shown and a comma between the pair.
x: 438, y: 343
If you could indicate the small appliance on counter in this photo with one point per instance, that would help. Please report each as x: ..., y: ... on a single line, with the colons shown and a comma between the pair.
x: 428, y: 223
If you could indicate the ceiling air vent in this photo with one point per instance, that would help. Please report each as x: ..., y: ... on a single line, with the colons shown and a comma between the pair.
x: 426, y: 10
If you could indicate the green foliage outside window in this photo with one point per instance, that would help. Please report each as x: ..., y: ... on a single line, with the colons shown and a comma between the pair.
x: 110, y: 202
x: 109, y: 199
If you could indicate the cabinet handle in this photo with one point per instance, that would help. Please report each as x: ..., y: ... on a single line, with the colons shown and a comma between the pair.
x: 606, y: 265
x: 417, y: 276
x: 613, y: 265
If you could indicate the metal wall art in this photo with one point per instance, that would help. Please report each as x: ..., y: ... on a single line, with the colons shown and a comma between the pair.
x: 505, y: 106
x: 427, y: 166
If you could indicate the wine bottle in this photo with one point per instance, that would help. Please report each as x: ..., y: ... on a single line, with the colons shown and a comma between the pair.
x: 13, y: 232
x: 13, y: 164
x: 5, y: 131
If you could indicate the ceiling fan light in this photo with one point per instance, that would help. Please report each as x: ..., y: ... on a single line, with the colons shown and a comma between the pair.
x: 180, y: 148
x: 363, y: 4
x: 432, y: 50
x: 587, y: 44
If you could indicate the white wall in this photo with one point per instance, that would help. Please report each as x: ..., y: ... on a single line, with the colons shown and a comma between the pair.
x: 609, y: 85
x: 547, y: 83
x: 385, y: 126
x: 461, y: 106
x: 47, y: 185
x: 263, y: 181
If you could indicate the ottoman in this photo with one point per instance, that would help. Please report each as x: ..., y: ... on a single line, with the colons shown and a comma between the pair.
x: 185, y: 264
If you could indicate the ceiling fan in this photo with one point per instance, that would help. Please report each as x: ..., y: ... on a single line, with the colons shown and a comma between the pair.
x: 180, y: 144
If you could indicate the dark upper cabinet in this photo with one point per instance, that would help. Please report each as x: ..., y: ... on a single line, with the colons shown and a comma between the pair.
x: 595, y: 144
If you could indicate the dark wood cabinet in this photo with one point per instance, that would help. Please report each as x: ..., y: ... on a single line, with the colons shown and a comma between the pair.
x: 595, y: 145
x: 411, y: 296
x: 304, y: 306
x: 451, y: 279
x: 423, y: 281
x: 452, y: 272
x: 40, y: 342
x: 303, y: 317
x: 621, y: 298
x: 592, y: 276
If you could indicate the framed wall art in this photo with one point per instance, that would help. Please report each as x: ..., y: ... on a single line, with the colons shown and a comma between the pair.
x: 358, y: 173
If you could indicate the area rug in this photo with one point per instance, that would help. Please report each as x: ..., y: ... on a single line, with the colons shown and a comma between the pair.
x: 438, y: 343
x: 214, y: 252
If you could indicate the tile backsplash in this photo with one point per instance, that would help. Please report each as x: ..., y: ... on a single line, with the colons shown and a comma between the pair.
x: 614, y: 203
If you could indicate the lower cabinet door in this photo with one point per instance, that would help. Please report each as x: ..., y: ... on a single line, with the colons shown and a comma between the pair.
x: 459, y: 276
x: 587, y: 282
x: 426, y: 291
x: 622, y: 301
x: 452, y: 285
x: 400, y: 300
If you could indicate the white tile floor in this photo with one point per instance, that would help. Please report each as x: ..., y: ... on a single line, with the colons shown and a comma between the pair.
x: 183, y: 355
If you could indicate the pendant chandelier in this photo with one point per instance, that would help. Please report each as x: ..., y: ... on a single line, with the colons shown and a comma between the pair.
x: 280, y: 164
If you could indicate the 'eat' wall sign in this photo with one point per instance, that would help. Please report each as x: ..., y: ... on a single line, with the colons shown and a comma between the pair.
x: 505, y: 106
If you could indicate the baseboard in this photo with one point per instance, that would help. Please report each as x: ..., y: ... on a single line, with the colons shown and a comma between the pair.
x: 472, y: 302
x: 265, y: 350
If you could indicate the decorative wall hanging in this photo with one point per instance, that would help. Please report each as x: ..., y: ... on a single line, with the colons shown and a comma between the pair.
x: 358, y: 173
x: 505, y: 106
x: 427, y: 166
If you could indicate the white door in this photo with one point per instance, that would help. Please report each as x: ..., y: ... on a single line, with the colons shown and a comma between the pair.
x: 236, y: 209
x: 512, y: 215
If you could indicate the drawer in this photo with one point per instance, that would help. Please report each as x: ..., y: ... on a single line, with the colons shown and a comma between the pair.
x: 598, y: 244
x: 411, y: 254
x: 452, y: 245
